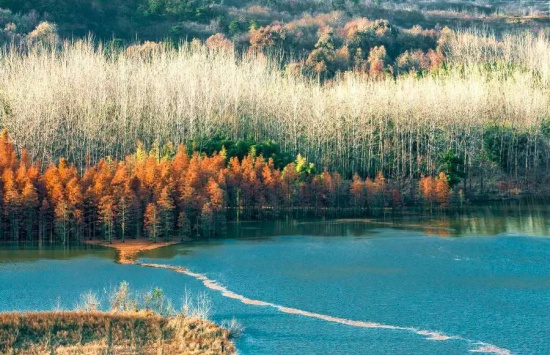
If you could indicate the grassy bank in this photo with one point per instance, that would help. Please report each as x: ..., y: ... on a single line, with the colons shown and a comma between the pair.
x: 112, y: 333
x: 137, y: 322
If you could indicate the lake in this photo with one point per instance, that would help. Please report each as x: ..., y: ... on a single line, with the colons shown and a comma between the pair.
x: 479, y: 282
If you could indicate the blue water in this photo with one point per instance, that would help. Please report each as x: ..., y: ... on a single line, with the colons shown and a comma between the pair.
x: 478, y: 287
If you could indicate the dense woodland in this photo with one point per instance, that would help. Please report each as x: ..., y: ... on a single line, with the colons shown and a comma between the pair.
x: 172, y: 195
x: 324, y: 108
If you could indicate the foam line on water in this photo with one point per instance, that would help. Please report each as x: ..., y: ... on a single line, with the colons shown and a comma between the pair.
x: 480, y: 347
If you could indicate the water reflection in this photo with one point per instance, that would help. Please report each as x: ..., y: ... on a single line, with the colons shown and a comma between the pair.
x: 25, y: 252
x: 381, y: 270
x: 481, y: 221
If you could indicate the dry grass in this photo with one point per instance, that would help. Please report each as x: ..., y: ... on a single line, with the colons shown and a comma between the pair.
x: 81, y: 101
x: 112, y: 333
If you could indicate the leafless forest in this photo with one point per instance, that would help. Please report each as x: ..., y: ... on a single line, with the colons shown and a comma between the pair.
x: 489, y: 106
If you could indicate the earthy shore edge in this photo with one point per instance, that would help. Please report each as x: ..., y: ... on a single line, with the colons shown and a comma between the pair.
x: 129, y: 250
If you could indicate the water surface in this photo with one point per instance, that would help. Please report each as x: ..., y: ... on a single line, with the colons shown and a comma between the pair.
x: 482, y: 280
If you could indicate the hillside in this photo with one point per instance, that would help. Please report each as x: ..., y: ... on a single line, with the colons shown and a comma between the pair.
x: 157, y: 20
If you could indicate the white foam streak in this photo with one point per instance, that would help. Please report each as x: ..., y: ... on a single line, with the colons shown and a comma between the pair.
x: 427, y: 334
x: 490, y: 349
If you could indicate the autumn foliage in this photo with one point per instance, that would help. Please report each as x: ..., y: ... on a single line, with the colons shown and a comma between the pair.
x: 175, y: 194
x: 435, y: 190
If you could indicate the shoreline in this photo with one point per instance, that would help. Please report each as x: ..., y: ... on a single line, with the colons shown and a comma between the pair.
x: 129, y: 250
x: 188, y: 334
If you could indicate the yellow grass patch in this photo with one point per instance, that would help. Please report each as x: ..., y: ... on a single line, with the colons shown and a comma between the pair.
x: 110, y: 333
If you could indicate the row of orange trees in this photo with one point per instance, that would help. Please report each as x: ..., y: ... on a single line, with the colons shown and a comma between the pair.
x: 146, y: 195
